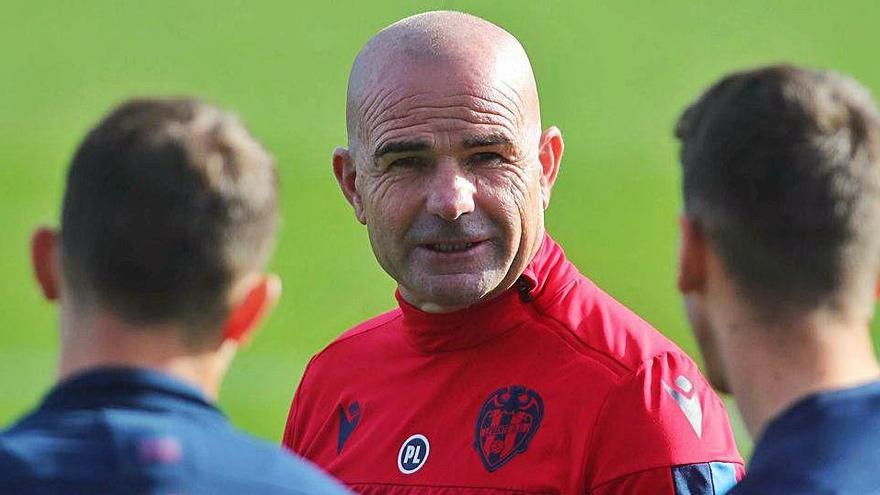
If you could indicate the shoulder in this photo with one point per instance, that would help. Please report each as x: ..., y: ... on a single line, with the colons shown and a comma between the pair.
x: 44, y: 449
x: 12, y: 462
x: 838, y: 421
x: 43, y: 436
x: 369, y: 331
x: 357, y: 352
x: 658, y: 409
x: 261, y: 467
x: 821, y: 441
x: 369, y: 338
x: 364, y: 328
x: 605, y: 328
x: 662, y: 414
x: 140, y: 448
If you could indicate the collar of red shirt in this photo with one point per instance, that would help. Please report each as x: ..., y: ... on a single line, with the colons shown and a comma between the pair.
x: 548, y: 273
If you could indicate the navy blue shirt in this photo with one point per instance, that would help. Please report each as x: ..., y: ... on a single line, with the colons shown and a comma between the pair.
x: 142, y: 432
x: 828, y: 443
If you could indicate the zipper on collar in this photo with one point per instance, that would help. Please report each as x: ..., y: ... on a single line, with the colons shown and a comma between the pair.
x: 524, y: 289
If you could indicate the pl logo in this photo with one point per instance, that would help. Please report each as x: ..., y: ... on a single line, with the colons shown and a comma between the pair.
x: 508, y: 420
x: 413, y: 454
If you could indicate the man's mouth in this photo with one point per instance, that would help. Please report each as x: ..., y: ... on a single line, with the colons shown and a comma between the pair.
x: 452, y: 247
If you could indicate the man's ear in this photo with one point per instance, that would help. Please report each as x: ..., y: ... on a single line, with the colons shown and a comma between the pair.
x: 550, y: 150
x: 346, y: 175
x: 44, y: 259
x: 692, y: 256
x: 247, y: 314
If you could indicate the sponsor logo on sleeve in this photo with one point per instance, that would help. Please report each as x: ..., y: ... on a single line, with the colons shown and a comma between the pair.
x: 688, y: 401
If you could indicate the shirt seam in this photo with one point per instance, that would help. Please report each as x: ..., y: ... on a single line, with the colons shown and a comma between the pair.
x: 616, y: 372
x: 548, y: 300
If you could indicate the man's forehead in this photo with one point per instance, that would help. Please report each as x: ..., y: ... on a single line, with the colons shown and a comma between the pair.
x: 458, y: 107
x: 448, y: 122
x: 488, y: 103
x: 433, y: 62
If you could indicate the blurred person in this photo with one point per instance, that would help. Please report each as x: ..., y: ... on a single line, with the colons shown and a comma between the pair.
x: 780, y: 259
x: 503, y: 370
x: 169, y: 217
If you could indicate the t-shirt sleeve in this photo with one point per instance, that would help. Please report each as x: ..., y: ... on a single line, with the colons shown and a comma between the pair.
x: 663, y: 430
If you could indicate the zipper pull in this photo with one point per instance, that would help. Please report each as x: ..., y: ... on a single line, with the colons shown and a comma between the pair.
x: 524, y: 289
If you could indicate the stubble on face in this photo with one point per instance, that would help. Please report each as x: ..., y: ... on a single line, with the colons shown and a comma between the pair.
x: 444, y: 135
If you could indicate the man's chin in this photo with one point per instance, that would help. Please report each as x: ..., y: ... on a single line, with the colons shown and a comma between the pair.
x: 452, y: 292
x: 717, y: 379
x: 712, y: 364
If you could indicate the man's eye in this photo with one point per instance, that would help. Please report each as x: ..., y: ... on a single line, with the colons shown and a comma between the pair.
x: 485, y: 158
x: 408, y: 162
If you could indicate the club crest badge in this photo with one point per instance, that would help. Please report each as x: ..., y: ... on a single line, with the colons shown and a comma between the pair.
x: 508, y: 420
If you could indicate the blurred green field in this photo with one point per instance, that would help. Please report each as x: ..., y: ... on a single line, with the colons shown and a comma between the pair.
x: 612, y: 75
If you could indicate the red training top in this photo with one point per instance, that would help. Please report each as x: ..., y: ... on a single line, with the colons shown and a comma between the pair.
x: 552, y: 387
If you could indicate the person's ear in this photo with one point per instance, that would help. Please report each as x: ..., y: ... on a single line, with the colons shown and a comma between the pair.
x: 346, y: 175
x: 692, y: 256
x: 44, y: 259
x: 550, y: 150
x: 247, y: 314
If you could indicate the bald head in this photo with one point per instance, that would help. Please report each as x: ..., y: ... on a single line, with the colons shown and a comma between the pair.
x: 442, y: 53
x: 447, y: 165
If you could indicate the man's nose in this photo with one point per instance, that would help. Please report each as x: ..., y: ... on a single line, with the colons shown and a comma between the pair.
x: 451, y: 193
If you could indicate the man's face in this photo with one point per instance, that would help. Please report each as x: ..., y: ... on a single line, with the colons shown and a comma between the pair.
x: 451, y: 186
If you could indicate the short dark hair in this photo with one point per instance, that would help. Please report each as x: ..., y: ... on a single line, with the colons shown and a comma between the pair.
x: 780, y: 166
x: 168, y: 200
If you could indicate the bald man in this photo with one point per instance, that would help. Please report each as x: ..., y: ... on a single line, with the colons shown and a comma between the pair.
x: 503, y: 370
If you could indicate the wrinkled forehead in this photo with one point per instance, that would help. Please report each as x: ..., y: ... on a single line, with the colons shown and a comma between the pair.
x: 454, y: 95
x: 452, y: 112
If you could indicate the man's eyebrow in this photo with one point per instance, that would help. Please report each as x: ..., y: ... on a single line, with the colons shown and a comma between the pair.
x: 487, y: 140
x: 401, y: 147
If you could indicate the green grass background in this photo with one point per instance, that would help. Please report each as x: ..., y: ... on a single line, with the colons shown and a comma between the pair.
x: 612, y: 75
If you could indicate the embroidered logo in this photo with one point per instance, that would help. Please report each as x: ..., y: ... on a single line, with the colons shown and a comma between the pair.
x: 507, y: 422
x: 413, y: 454
x: 690, y: 406
x: 348, y: 421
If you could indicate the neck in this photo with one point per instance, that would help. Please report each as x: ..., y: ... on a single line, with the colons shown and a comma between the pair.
x: 432, y: 306
x: 99, y: 339
x: 770, y: 367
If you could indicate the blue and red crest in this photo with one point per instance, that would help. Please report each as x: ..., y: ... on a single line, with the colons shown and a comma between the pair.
x: 507, y: 422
